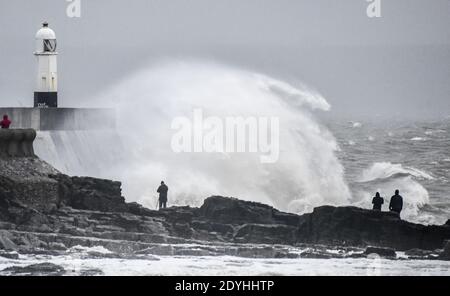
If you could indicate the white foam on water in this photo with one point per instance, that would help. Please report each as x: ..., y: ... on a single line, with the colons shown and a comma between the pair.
x: 382, y: 170
x: 385, y: 177
x: 433, y: 132
x: 418, y: 139
x: 227, y: 266
x: 82, y: 249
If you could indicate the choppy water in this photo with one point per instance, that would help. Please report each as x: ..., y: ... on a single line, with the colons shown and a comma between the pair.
x: 77, y: 262
x: 412, y: 156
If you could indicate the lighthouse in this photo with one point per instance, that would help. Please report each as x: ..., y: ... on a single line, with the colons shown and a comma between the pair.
x: 46, y: 115
x: 46, y: 89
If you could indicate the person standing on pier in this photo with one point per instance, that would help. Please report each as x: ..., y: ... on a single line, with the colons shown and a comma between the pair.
x: 5, y: 123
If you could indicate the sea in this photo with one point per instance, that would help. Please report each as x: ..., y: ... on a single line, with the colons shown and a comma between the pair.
x: 412, y: 156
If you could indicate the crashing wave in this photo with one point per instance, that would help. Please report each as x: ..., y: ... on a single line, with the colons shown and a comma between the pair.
x: 383, y: 170
x: 307, y: 174
x: 385, y: 177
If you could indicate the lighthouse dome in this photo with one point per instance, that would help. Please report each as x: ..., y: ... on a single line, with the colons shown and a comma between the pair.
x: 45, y: 33
x: 45, y: 40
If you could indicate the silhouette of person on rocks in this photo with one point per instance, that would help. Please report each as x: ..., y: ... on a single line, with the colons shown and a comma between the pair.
x: 162, y: 190
x: 396, y: 204
x: 377, y: 202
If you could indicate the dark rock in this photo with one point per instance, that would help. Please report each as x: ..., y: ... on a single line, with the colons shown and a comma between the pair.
x: 419, y: 253
x: 193, y: 252
x: 270, y: 234
x: 235, y: 211
x: 351, y: 226
x: 180, y: 215
x: 286, y: 255
x: 383, y: 252
x: 90, y: 193
x: 224, y: 230
x: 57, y: 246
x: 91, y: 272
x: 137, y: 209
x: 160, y: 250
x: 5, y: 241
x: 24, y: 184
x: 101, y: 255
x: 445, y: 255
x: 182, y: 230
x: 36, y: 269
x: 9, y: 255
x: 254, y: 252
x: 316, y: 255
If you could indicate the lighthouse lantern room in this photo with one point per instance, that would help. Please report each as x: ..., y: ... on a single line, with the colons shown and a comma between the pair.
x: 46, y: 91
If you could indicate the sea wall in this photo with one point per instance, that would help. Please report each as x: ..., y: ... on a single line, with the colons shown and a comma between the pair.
x: 17, y: 142
x: 61, y: 118
x: 95, y: 153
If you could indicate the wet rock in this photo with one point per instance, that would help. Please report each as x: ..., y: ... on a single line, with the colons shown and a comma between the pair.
x: 5, y: 241
x: 57, y: 246
x: 182, y: 230
x: 193, y: 252
x: 36, y: 269
x: 9, y: 255
x: 160, y: 250
x: 356, y: 255
x: 383, y: 252
x: 101, y: 255
x: 24, y: 182
x: 235, y: 211
x: 445, y: 255
x: 31, y: 241
x: 220, y: 228
x: 419, y: 253
x: 90, y: 193
x: 91, y: 272
x: 137, y: 209
x: 351, y: 226
x: 286, y: 255
x: 271, y: 234
x: 255, y: 252
x: 317, y: 255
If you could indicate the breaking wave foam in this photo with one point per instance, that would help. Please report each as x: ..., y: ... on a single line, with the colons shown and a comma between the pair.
x: 386, y: 177
x: 307, y: 174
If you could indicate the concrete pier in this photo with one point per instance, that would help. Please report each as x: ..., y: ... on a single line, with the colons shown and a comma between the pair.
x: 54, y: 119
x: 17, y: 142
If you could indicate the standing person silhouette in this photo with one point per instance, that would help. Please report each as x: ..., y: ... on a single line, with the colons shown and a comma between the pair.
x: 377, y: 202
x: 162, y: 190
x: 5, y: 123
x: 396, y: 204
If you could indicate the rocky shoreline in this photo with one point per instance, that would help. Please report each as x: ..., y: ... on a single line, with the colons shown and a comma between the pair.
x: 45, y: 212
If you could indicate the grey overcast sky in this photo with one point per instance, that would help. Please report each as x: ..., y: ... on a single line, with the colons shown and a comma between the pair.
x: 393, y: 65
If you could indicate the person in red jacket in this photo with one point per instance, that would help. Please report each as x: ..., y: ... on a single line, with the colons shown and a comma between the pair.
x: 5, y: 123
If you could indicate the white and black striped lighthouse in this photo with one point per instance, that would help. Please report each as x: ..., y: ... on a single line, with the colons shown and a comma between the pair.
x: 46, y: 91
